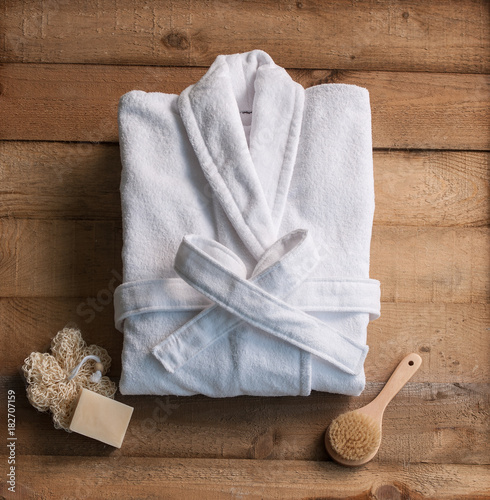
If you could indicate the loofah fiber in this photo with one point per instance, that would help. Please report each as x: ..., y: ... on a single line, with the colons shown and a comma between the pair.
x: 47, y: 375
x: 354, y: 435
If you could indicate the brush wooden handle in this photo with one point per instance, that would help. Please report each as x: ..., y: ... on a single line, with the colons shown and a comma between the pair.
x: 402, y: 374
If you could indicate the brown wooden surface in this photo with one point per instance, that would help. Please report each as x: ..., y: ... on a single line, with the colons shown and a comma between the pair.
x: 75, y: 258
x: 81, y: 181
x: 211, y: 479
x: 72, y: 102
x: 280, y: 428
x: 451, y: 338
x: 65, y: 65
x: 368, y: 34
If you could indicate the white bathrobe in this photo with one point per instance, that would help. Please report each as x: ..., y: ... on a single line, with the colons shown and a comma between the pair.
x: 247, y: 206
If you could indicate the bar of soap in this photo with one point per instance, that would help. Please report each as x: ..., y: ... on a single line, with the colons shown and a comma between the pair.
x: 101, y: 418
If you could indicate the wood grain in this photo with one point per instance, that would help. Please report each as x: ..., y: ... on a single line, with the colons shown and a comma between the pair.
x: 407, y: 35
x: 81, y: 181
x: 66, y: 181
x: 200, y: 479
x: 431, y: 188
x: 431, y: 264
x: 79, y: 102
x: 438, y: 332
x: 59, y: 258
x: 418, y: 425
x: 63, y: 67
x: 63, y: 258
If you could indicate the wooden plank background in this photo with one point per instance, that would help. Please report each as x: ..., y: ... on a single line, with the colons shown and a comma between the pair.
x: 64, y: 65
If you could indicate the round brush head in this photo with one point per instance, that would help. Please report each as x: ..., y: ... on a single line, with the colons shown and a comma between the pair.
x: 354, y: 436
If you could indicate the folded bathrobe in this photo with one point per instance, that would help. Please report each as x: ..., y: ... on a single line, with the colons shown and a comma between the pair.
x: 247, y: 206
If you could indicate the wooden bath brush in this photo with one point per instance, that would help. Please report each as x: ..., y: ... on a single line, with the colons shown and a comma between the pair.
x: 354, y: 438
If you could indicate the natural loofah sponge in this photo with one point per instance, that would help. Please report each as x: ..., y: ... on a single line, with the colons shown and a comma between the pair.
x: 56, y: 379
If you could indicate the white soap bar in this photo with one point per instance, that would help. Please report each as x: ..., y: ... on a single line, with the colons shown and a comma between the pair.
x: 101, y: 418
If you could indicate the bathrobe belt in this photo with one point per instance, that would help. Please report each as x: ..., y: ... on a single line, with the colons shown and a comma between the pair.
x: 274, y: 299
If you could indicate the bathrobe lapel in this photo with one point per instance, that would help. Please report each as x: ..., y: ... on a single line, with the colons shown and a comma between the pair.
x: 251, y: 182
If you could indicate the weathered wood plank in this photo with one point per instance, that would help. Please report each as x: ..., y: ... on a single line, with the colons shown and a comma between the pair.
x: 63, y: 258
x: 81, y: 181
x: 58, y: 258
x: 452, y: 339
x: 66, y: 181
x: 440, y: 333
x: 407, y: 35
x: 434, y: 279
x: 431, y: 188
x: 79, y: 102
x: 200, y: 479
x: 31, y: 322
x: 426, y: 422
x: 431, y: 264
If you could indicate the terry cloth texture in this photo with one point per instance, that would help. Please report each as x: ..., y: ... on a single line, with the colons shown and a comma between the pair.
x: 247, y: 206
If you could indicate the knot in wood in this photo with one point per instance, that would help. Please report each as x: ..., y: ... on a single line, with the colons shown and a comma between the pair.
x: 176, y: 40
x: 387, y: 492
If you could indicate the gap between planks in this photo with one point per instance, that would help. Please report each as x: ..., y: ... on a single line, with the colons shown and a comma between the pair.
x: 209, y: 479
x: 409, y: 110
x: 79, y: 258
x: 408, y: 36
x: 81, y: 181
x: 438, y: 332
x: 426, y: 422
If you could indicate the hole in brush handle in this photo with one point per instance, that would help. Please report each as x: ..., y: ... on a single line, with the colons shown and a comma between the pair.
x: 400, y: 376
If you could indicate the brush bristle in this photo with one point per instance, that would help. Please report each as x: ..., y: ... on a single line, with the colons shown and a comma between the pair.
x: 354, y: 435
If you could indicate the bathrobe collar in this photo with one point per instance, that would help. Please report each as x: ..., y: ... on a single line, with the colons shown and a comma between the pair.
x: 252, y: 181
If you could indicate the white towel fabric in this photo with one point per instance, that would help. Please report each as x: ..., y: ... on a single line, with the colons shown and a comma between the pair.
x: 247, y: 207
